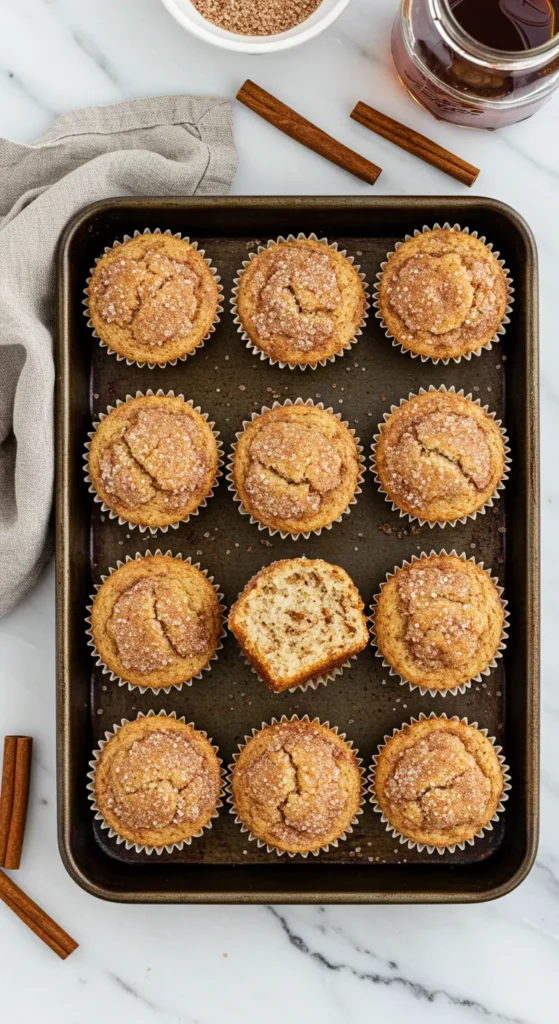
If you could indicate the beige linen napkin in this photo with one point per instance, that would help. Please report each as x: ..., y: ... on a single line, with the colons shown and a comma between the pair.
x: 169, y: 145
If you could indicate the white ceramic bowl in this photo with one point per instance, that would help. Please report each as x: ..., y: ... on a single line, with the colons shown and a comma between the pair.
x: 190, y: 18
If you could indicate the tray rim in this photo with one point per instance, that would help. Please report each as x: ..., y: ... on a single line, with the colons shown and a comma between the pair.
x: 63, y: 310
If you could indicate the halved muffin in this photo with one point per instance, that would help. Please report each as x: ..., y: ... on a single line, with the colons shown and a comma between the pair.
x: 299, y: 619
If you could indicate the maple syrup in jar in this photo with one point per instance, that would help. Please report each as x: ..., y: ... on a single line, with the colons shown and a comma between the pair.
x: 479, y: 63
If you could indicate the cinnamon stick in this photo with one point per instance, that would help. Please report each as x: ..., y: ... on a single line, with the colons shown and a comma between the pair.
x: 297, y: 127
x: 14, y: 797
x: 415, y: 143
x: 36, y: 919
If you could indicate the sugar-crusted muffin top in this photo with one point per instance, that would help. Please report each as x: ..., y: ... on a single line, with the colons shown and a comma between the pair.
x: 296, y: 468
x: 299, y: 618
x: 440, y: 456
x: 443, y: 294
x: 157, y: 780
x: 439, y: 781
x: 156, y: 621
x: 297, y: 294
x: 439, y: 621
x: 153, y: 459
x: 296, y: 785
x: 300, y: 301
x: 437, y: 784
x: 157, y: 297
x: 153, y: 298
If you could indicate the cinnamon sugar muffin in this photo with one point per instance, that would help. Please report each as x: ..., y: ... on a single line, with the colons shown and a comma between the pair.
x: 438, y: 781
x: 300, y: 302
x: 298, y: 619
x: 156, y: 621
x: 153, y: 298
x: 440, y: 456
x: 443, y: 294
x: 296, y: 786
x: 438, y: 622
x: 157, y: 781
x: 296, y: 468
x: 153, y: 460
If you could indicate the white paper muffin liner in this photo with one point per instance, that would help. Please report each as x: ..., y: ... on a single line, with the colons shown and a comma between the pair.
x: 501, y: 330
x: 446, y: 522
x: 411, y: 845
x: 258, y: 351
x: 260, y: 842
x: 114, y: 515
x: 168, y: 362
x: 114, y: 677
x: 231, y: 461
x: 309, y: 684
x: 455, y: 690
x: 138, y: 847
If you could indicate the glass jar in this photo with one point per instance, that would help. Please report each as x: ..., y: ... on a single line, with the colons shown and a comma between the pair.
x: 461, y: 80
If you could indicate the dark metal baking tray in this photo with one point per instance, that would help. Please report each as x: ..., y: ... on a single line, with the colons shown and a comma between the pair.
x: 229, y: 383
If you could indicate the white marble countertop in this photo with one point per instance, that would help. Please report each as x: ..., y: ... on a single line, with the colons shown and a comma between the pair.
x: 336, y: 965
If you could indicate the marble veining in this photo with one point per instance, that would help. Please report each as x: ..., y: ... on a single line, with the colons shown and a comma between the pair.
x: 334, y: 965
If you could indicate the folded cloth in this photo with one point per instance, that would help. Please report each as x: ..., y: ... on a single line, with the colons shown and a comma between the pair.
x: 169, y: 145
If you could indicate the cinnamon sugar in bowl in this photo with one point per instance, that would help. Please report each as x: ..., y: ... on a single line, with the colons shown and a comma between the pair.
x: 277, y: 29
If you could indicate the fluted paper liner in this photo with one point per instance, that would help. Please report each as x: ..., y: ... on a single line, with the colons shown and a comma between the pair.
x: 471, y: 515
x: 260, y: 842
x: 231, y: 461
x: 424, y: 846
x: 455, y: 690
x: 200, y: 344
x: 114, y: 515
x: 135, y: 686
x: 139, y: 847
x: 501, y: 330
x: 258, y: 351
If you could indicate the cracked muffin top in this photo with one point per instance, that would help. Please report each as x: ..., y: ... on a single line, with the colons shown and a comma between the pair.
x: 153, y: 460
x: 443, y: 294
x: 157, y: 781
x: 296, y: 786
x: 156, y: 621
x: 439, y: 621
x: 301, y: 302
x: 298, y: 619
x: 438, y: 781
x: 153, y: 298
x: 440, y: 456
x: 296, y: 468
